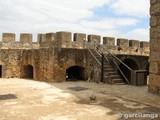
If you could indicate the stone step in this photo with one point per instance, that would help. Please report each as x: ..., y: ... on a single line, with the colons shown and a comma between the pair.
x: 112, y: 73
x: 106, y: 63
x: 117, y: 80
x: 115, y: 76
x: 123, y: 83
x: 106, y: 67
x: 108, y: 70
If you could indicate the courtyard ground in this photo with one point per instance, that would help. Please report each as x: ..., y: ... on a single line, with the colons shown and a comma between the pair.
x: 22, y: 99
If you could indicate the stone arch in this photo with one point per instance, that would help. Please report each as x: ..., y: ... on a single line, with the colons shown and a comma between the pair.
x: 28, y: 72
x: 75, y: 73
x: 130, y: 63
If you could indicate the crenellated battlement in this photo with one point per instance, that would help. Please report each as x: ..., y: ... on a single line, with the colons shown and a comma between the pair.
x: 80, y: 41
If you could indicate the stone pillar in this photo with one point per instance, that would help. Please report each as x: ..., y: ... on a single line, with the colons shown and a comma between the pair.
x: 154, y: 76
x: 8, y: 37
x: 80, y: 40
x: 64, y: 39
x: 94, y: 40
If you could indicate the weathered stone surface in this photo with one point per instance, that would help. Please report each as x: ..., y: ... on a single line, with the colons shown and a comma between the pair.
x: 110, y: 41
x: 144, y: 44
x: 122, y: 42
x: 154, y: 83
x: 154, y: 1
x: 8, y: 37
x: 154, y: 77
x: 80, y: 40
x: 154, y: 56
x: 134, y: 43
x: 26, y: 38
x: 64, y: 39
x: 154, y: 68
x: 94, y: 40
x: 155, y: 32
x: 50, y: 37
x: 155, y: 9
x: 41, y: 38
x: 48, y: 59
x: 154, y: 21
x: 154, y: 47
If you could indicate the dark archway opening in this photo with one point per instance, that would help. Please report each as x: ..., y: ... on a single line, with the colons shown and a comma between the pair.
x: 130, y: 63
x: 75, y: 73
x: 0, y: 71
x: 147, y: 69
x: 28, y: 72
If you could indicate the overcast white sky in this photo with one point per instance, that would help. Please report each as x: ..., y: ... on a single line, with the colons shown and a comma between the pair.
x: 115, y: 18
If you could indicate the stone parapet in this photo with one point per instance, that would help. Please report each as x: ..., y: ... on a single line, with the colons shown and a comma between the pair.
x: 80, y: 41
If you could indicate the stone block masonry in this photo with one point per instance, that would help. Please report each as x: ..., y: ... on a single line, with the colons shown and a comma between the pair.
x: 8, y: 37
x: 79, y: 40
x: 52, y: 54
x: 154, y: 77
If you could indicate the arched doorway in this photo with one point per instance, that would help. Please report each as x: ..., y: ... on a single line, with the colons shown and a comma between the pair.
x: 75, y: 73
x: 28, y: 71
x: 130, y: 63
x: 0, y: 71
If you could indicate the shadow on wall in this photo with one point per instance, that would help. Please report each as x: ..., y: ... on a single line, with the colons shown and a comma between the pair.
x: 130, y: 63
x: 147, y: 68
x: 28, y: 71
x: 75, y: 73
x: 0, y: 71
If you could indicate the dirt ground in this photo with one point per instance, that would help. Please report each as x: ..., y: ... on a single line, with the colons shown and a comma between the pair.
x: 22, y: 99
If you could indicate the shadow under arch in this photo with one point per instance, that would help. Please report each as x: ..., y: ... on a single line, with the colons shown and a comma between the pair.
x: 28, y: 72
x: 147, y: 69
x: 130, y: 63
x: 75, y: 73
x: 0, y: 71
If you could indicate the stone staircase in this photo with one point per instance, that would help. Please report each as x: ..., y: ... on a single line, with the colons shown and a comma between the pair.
x: 110, y: 74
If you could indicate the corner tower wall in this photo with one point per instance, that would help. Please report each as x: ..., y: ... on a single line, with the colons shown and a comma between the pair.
x: 154, y: 77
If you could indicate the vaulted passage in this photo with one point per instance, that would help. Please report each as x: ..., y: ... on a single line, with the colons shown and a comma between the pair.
x: 130, y: 63
x: 28, y: 72
x: 0, y: 71
x: 75, y: 73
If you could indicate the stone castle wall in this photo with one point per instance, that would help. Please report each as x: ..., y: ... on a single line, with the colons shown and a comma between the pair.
x: 80, y: 41
x: 154, y: 77
x: 53, y: 53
